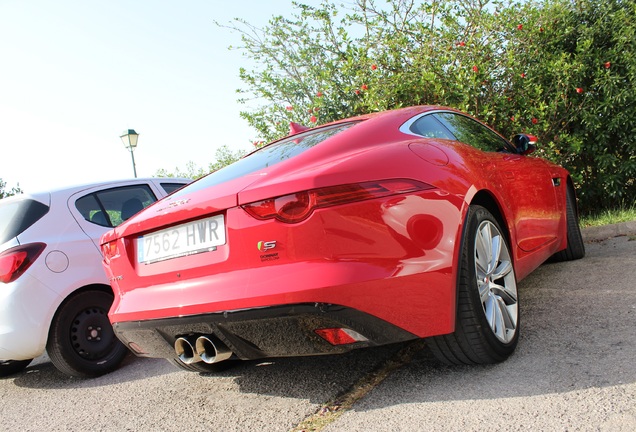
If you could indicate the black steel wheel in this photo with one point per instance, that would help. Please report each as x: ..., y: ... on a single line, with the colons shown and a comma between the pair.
x: 81, y: 339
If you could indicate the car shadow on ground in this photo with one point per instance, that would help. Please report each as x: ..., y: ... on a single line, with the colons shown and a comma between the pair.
x: 42, y: 374
x: 315, y: 378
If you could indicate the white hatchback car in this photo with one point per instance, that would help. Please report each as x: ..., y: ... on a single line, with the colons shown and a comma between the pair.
x: 54, y: 294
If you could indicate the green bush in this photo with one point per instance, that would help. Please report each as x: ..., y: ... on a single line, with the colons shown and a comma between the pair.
x: 562, y: 70
x: 5, y: 193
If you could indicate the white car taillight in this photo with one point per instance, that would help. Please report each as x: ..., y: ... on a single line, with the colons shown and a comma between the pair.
x: 15, y: 261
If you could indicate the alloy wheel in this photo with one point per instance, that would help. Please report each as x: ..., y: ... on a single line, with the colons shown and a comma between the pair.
x: 496, y: 281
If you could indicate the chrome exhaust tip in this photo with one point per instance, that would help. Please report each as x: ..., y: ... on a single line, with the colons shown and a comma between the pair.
x: 211, y: 350
x: 185, y: 350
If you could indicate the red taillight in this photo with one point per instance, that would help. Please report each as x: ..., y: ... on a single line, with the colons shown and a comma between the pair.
x: 109, y: 250
x: 299, y: 206
x: 14, y: 262
x: 340, y: 336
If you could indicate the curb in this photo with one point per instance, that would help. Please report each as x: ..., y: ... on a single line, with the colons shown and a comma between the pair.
x: 599, y: 233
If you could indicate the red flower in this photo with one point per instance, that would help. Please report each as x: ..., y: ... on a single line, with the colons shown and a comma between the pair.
x: 541, y: 29
x: 316, y: 109
x: 523, y: 75
x: 579, y: 90
x: 512, y: 118
x: 357, y: 92
x: 534, y: 120
x: 475, y: 69
x: 374, y: 67
x: 289, y: 108
x: 319, y: 94
x: 364, y: 87
x: 608, y: 65
x: 520, y: 27
x: 462, y: 43
x: 313, y: 119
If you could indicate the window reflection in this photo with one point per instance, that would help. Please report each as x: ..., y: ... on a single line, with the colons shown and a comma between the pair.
x: 473, y: 133
x: 267, y: 156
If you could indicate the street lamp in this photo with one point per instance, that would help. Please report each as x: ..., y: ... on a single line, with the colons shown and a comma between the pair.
x: 129, y: 138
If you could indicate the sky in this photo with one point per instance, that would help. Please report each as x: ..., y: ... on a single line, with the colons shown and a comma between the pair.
x: 74, y: 74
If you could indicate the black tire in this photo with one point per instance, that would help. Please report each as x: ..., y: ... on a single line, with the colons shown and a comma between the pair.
x: 486, y: 325
x: 203, y: 367
x: 81, y: 339
x: 10, y: 367
x: 576, y: 247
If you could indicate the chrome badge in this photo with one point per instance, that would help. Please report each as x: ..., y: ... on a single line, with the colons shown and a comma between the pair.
x: 266, y: 245
x: 174, y: 204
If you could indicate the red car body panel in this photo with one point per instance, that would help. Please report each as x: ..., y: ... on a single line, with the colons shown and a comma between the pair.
x: 332, y: 258
x: 394, y: 257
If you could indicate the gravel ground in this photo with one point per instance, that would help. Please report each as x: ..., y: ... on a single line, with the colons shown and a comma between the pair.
x: 574, y: 369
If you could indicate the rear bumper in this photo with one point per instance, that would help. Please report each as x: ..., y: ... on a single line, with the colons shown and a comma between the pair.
x: 26, y: 307
x: 277, y: 331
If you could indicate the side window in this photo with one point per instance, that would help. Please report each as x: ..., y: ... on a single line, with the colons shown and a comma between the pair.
x: 473, y: 133
x: 429, y: 127
x: 92, y: 211
x: 171, y: 187
x: 111, y: 207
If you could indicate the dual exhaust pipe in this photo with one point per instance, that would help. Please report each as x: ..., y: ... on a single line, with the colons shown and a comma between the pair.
x: 206, y: 348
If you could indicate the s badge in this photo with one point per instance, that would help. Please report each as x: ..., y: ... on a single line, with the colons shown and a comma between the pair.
x: 266, y: 245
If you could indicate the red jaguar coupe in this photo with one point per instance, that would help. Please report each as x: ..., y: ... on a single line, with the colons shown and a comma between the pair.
x: 392, y: 226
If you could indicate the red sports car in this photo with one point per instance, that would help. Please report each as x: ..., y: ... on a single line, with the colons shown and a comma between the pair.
x: 392, y: 226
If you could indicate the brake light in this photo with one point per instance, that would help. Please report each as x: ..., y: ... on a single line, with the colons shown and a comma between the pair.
x: 15, y: 261
x: 299, y: 206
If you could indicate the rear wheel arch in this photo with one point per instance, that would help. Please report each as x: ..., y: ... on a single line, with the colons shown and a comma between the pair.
x: 91, y: 287
x: 486, y: 200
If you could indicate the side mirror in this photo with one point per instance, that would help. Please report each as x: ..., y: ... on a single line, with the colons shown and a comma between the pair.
x: 525, y: 144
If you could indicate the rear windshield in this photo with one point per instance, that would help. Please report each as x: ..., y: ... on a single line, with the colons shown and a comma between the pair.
x: 171, y: 187
x: 266, y: 157
x: 17, y: 216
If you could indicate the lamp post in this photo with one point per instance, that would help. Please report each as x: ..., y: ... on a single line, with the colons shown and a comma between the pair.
x: 129, y: 138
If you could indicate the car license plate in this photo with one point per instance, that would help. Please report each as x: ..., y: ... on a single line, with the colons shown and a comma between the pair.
x: 190, y: 238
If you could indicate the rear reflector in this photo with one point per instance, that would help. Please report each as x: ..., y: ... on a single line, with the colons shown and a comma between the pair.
x: 15, y: 261
x: 340, y: 336
x: 299, y: 206
x: 136, y: 348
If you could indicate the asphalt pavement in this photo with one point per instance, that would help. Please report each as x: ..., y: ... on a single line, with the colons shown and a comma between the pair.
x: 574, y: 368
